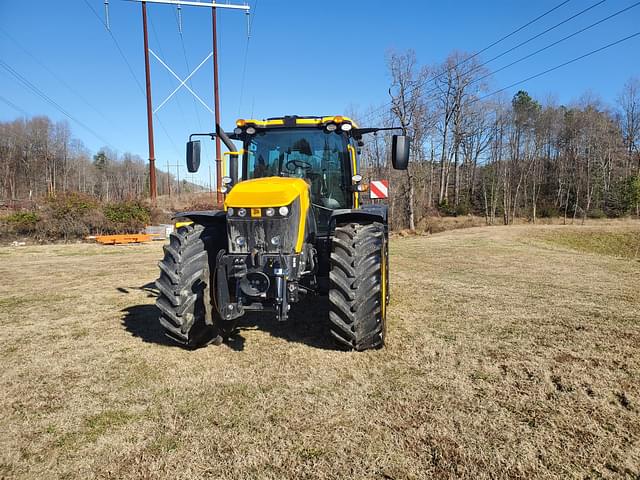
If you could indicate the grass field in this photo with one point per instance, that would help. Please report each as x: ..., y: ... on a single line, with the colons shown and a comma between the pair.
x: 512, y: 352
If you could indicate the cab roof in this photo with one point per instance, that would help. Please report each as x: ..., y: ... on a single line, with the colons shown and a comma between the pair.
x: 296, y: 121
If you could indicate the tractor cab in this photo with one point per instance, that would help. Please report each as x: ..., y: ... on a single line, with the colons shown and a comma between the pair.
x: 324, y: 156
x: 320, y: 150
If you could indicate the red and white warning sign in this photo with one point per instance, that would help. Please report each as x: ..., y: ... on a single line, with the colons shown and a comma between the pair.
x: 379, y: 189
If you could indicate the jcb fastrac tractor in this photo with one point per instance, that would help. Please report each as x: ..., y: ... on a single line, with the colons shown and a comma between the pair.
x: 291, y: 224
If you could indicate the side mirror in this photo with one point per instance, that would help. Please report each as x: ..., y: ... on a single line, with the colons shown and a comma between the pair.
x: 400, y: 152
x: 193, y: 156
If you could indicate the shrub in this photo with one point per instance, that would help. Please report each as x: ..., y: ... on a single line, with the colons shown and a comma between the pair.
x: 597, y: 213
x: 22, y: 222
x: 157, y: 216
x: 548, y: 211
x: 76, y: 215
x: 462, y: 209
x: 127, y: 217
x: 445, y: 209
x: 69, y: 215
x: 623, y: 197
x: 66, y: 205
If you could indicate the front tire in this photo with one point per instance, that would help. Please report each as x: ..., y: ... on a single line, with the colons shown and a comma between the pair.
x: 358, y: 286
x: 184, y: 300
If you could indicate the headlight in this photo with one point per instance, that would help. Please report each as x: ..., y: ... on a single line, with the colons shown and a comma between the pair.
x: 331, y: 127
x: 283, y: 211
x: 240, y: 241
x: 270, y: 212
x: 345, y: 127
x: 242, y: 212
x: 251, y: 130
x: 230, y: 211
x: 275, y: 241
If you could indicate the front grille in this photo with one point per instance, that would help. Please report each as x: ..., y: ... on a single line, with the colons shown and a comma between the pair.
x: 258, y: 232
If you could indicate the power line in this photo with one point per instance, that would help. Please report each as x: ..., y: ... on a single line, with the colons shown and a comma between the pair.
x: 546, y: 47
x: 246, y: 54
x: 131, y: 71
x: 371, y: 114
x: 117, y: 44
x: 57, y: 77
x: 531, y: 22
x: 558, y: 41
x: 564, y: 64
x: 14, y: 106
x: 553, y: 27
x: 34, y: 89
x: 186, y: 62
x: 155, y: 36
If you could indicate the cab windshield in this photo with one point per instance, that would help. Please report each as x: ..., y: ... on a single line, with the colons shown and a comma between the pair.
x: 318, y: 156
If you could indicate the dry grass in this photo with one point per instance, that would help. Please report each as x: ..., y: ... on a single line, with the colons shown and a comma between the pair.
x: 509, y: 355
x: 620, y: 242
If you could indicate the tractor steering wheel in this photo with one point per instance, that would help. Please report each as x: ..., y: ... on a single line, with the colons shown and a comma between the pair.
x: 306, y: 166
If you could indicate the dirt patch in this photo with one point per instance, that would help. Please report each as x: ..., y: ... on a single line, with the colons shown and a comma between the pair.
x: 508, y: 356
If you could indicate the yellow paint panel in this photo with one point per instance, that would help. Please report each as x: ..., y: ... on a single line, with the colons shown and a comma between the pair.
x: 265, y: 192
x: 299, y: 121
x: 356, y: 196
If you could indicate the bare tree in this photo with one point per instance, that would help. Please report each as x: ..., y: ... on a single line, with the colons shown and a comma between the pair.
x: 629, y: 102
x: 408, y: 108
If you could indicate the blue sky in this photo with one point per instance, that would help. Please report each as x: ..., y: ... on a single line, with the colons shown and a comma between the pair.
x: 304, y: 57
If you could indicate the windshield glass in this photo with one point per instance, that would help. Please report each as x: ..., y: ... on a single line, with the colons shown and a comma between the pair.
x: 318, y: 156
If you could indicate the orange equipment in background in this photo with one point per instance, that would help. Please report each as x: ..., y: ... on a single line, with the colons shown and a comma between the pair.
x: 123, y: 239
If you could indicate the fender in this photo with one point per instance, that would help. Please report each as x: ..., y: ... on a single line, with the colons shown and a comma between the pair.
x: 365, y: 214
x: 204, y: 217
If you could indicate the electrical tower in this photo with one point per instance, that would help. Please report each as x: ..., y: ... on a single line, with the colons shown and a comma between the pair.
x: 216, y: 98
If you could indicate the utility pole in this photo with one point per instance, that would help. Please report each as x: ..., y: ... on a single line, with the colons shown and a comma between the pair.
x: 216, y: 103
x: 177, y: 165
x: 210, y: 189
x: 168, y: 180
x: 152, y: 155
x: 216, y: 97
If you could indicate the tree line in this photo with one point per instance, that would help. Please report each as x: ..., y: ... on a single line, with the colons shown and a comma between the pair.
x: 472, y: 152
x: 500, y: 157
x: 40, y: 158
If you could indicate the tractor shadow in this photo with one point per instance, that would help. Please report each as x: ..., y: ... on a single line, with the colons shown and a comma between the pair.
x: 308, y: 323
x: 141, y: 321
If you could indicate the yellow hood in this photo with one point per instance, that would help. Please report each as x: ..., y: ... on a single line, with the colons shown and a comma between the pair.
x: 268, y: 192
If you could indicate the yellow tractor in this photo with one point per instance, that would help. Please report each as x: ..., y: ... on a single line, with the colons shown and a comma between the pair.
x: 292, y: 224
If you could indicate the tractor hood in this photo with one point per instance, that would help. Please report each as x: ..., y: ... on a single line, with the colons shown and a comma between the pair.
x: 268, y: 192
x: 255, y: 228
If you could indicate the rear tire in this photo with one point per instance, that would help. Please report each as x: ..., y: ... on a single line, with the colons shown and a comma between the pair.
x: 357, y: 295
x: 187, y: 313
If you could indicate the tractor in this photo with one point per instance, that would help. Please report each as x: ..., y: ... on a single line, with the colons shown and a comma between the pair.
x: 292, y: 224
